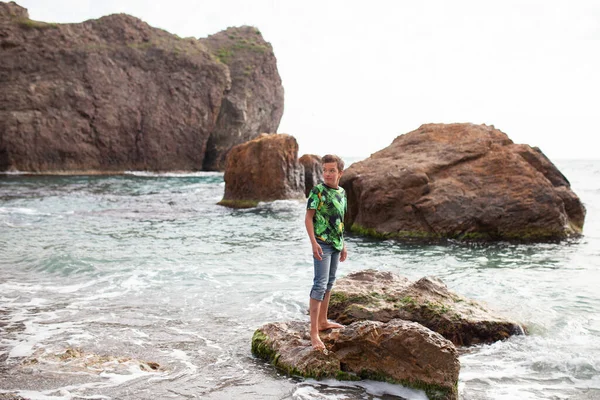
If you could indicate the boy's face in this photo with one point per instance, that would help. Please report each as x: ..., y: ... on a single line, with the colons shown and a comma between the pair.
x: 331, y: 174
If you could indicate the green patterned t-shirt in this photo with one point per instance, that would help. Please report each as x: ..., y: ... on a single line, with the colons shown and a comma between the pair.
x: 328, y: 221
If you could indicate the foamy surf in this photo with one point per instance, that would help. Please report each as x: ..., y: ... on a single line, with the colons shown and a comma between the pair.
x: 311, y: 389
x: 182, y: 174
x: 153, y: 270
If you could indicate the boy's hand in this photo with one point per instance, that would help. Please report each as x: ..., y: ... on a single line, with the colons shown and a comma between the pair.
x: 317, y: 251
x: 343, y: 254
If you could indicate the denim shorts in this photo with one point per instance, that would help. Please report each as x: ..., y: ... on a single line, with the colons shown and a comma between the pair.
x: 325, y: 270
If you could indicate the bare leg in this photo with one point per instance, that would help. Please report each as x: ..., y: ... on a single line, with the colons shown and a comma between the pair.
x: 324, y: 324
x: 315, y: 340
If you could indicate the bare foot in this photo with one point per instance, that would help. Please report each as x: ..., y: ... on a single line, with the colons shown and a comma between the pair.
x: 329, y: 325
x: 316, y: 342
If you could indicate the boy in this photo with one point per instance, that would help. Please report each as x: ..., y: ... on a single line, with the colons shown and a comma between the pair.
x: 325, y: 226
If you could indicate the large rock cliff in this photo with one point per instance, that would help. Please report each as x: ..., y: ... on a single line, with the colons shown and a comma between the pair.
x: 116, y: 94
x: 254, y: 104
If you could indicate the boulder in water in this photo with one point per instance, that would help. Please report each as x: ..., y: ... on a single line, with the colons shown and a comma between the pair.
x: 263, y: 169
x: 397, y: 351
x: 384, y: 296
x: 460, y: 181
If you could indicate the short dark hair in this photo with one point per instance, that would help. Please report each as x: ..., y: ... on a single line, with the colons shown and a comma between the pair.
x: 329, y: 158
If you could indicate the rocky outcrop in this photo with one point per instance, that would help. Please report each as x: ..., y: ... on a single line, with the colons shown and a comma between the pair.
x: 313, y: 171
x: 383, y: 296
x: 397, y: 331
x: 460, y: 181
x: 13, y: 10
x: 398, y: 351
x: 255, y: 102
x: 115, y: 94
x: 263, y: 169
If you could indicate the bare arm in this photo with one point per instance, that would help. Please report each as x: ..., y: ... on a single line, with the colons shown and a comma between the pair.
x: 308, y: 222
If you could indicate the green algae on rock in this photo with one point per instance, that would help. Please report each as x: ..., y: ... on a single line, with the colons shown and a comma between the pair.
x: 399, y: 352
x: 383, y: 296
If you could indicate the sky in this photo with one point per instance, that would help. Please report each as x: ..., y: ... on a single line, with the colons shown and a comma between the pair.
x: 357, y: 74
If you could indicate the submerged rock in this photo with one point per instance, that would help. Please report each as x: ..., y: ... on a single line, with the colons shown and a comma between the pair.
x: 263, y: 169
x: 398, y: 351
x: 74, y: 360
x: 460, y: 181
x: 383, y: 296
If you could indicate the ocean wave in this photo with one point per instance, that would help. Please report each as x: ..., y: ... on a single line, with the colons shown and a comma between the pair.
x: 174, y: 174
x: 326, y: 389
x: 20, y: 211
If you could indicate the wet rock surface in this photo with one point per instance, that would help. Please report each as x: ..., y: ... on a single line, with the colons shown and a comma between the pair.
x: 383, y: 296
x: 263, y: 169
x: 313, y: 171
x: 396, y: 330
x: 398, y: 351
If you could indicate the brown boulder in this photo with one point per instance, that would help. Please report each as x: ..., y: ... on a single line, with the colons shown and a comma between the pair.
x: 398, y: 351
x: 255, y: 102
x: 116, y: 94
x: 460, y: 181
x: 313, y: 171
x: 383, y: 296
x: 263, y: 169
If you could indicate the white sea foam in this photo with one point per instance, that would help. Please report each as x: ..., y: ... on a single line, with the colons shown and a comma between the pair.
x: 207, y: 342
x: 78, y: 339
x: 35, y: 335
x: 19, y: 287
x: 173, y: 174
x: 111, y: 379
x: 20, y: 210
x: 71, y: 288
x: 138, y: 281
x: 308, y: 389
x: 190, y: 368
x: 261, y: 274
x: 118, y: 379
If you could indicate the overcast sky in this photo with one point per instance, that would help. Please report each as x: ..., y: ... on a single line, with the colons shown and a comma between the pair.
x: 359, y: 73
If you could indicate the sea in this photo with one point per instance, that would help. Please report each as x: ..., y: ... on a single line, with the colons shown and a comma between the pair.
x: 140, y: 286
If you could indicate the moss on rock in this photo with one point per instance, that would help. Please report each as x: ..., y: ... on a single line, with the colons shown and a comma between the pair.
x: 262, y: 348
x: 523, y: 235
x: 238, y: 203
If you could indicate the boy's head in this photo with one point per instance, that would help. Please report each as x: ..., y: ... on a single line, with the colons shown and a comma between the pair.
x: 332, y: 170
x: 330, y: 158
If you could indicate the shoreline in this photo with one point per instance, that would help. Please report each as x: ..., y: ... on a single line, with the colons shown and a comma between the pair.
x: 94, y: 172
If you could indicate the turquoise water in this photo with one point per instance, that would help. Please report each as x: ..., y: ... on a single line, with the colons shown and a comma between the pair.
x: 148, y: 267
